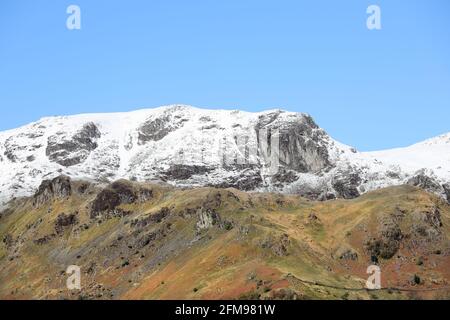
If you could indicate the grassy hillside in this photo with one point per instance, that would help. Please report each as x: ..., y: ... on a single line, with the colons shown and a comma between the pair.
x: 142, y: 241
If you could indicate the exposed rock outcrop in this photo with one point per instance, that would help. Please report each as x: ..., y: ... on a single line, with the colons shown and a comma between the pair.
x: 446, y: 187
x: 151, y: 219
x: 64, y: 221
x: 155, y: 129
x: 58, y: 188
x: 74, y: 150
x: 184, y: 172
x: 247, y: 180
x: 346, y: 185
x: 302, y: 144
x: 278, y: 244
x: 425, y: 182
x: 417, y: 231
x: 207, y: 218
x: 430, y: 184
x: 118, y: 193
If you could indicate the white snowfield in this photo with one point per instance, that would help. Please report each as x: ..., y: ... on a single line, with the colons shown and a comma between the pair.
x: 432, y: 154
x: 143, y: 145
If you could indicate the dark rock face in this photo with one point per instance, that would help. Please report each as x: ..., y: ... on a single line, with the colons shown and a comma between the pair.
x: 302, y: 143
x: 424, y: 230
x: 73, y: 151
x: 106, y: 200
x: 18, y: 152
x: 387, y: 245
x: 154, y: 130
x: 389, y: 237
x: 157, y: 129
x: 8, y: 240
x: 349, y: 255
x: 119, y: 192
x: 433, y: 218
x: 326, y: 196
x: 58, y: 188
x: 246, y: 182
x: 44, y: 240
x: 62, y: 186
x: 153, y: 218
x: 425, y: 182
x: 83, y: 187
x: 149, y: 238
x: 346, y: 186
x: 278, y: 245
x: 10, y: 156
x: 429, y: 184
x: 447, y: 191
x: 284, y: 177
x: 207, y: 218
x: 428, y: 224
x: 184, y: 172
x: 144, y: 195
x: 124, y: 191
x: 63, y: 221
x: 309, y: 192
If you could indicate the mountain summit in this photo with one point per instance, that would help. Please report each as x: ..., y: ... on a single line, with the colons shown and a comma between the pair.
x: 190, y: 147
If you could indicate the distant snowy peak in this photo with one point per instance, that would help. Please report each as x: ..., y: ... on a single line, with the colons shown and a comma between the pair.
x: 432, y: 155
x: 190, y: 147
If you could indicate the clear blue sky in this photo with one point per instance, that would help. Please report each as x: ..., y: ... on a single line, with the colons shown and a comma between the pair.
x: 370, y: 89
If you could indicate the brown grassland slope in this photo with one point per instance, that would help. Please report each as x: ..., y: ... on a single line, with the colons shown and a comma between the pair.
x: 145, y: 241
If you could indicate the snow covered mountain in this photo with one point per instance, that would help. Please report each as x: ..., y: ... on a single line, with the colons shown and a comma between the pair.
x: 186, y: 146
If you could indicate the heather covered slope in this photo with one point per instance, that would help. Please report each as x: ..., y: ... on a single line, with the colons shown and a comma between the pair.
x: 148, y: 241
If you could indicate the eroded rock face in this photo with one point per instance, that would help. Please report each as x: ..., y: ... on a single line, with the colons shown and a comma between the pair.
x: 207, y: 218
x: 279, y: 245
x: 346, y: 186
x: 58, y: 188
x: 428, y: 224
x: 349, y: 255
x: 157, y: 129
x: 447, y: 191
x: 425, y: 182
x: 424, y: 231
x: 64, y: 221
x: 387, y: 245
x: 284, y: 177
x: 247, y: 180
x: 118, y: 193
x: 302, y: 145
x: 157, y: 217
x: 74, y: 150
x: 106, y: 200
x: 184, y: 172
